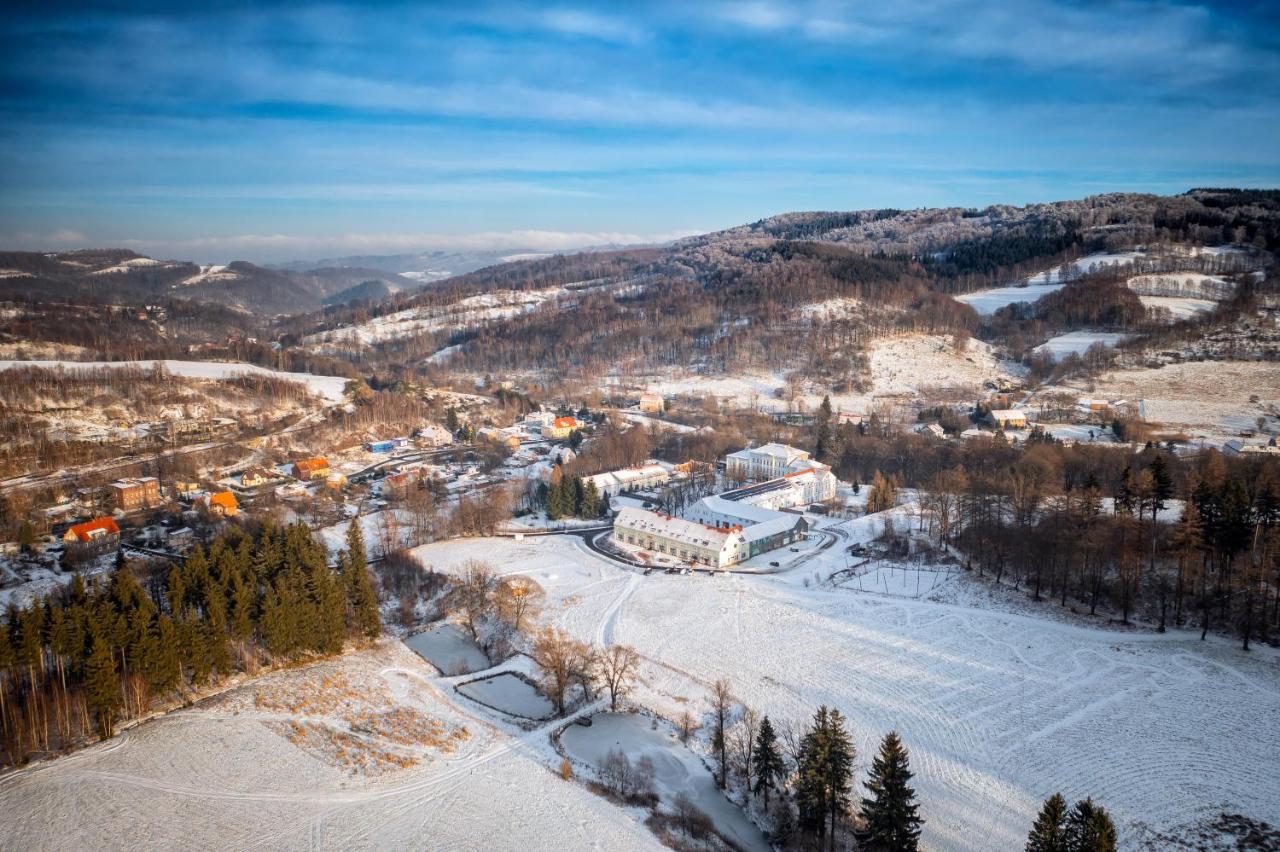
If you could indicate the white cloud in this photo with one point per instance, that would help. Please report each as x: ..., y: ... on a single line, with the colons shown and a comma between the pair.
x: 579, y: 22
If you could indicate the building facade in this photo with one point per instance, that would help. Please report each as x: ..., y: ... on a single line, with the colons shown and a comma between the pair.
x: 771, y: 462
x: 685, y: 540
x: 132, y: 495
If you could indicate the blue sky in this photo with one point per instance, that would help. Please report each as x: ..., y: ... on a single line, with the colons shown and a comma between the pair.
x: 277, y: 131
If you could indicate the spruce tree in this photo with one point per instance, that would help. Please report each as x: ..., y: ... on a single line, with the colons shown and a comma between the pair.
x: 362, y: 599
x: 825, y: 772
x: 1047, y: 833
x: 102, y: 687
x: 767, y: 760
x: 890, y: 810
x: 1089, y: 829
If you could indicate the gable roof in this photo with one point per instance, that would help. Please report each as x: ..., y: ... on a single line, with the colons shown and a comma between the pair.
x: 97, y: 528
x: 225, y: 499
x: 566, y: 422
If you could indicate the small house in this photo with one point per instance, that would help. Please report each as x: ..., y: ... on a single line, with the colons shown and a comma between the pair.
x: 309, y: 469
x: 1007, y: 418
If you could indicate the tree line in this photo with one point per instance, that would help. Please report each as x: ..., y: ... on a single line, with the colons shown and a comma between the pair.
x: 91, y: 655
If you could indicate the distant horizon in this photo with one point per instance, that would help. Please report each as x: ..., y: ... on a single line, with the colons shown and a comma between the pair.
x: 537, y: 242
x: 278, y: 133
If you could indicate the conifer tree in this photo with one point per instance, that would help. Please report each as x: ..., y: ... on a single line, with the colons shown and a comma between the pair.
x: 1047, y: 833
x: 102, y: 687
x: 826, y: 771
x: 890, y: 810
x: 767, y: 760
x: 1089, y: 829
x: 362, y: 599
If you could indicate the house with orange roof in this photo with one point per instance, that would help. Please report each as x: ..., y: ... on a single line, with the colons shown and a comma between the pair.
x: 313, y: 468
x: 99, y: 535
x: 561, y: 428
x: 221, y: 503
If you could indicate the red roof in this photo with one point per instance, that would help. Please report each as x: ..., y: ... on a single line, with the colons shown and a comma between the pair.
x: 566, y: 422
x: 95, y: 528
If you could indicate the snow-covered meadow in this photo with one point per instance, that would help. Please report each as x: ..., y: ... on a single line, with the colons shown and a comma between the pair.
x: 330, y: 388
x: 1000, y: 701
x: 1000, y: 705
x: 1042, y: 284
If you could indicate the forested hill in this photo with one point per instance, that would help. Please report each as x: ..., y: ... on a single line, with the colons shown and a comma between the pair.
x: 732, y: 295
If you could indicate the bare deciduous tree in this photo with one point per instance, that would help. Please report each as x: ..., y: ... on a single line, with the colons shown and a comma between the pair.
x: 618, y: 666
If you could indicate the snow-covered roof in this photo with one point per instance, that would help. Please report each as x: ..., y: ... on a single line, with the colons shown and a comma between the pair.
x: 782, y: 523
x: 677, y: 529
x: 747, y: 513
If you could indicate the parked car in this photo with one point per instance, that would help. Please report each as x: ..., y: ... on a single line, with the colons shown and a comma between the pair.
x: 773, y: 564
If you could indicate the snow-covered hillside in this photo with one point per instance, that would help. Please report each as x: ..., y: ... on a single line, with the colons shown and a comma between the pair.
x: 328, y: 387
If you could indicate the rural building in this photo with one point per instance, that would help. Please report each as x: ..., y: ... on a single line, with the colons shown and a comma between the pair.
x: 1007, y: 418
x: 257, y: 476
x: 686, y: 540
x: 560, y: 428
x: 615, y: 482
x: 100, y: 535
x: 221, y: 503
x: 652, y: 403
x: 309, y: 469
x: 432, y: 435
x: 932, y: 430
x: 131, y: 495
x: 380, y: 446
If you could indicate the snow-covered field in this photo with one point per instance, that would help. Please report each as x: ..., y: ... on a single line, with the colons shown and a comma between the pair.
x: 1041, y: 284
x: 329, y: 387
x: 1077, y: 342
x: 1179, y: 308
x: 999, y: 706
x: 231, y: 774
x: 471, y: 311
x: 907, y: 365
x: 676, y: 769
x: 1000, y: 701
x: 1209, y: 399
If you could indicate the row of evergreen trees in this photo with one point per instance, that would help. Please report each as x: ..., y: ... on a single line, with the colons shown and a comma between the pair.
x: 88, y: 655
x: 569, y: 496
x: 1087, y: 827
x: 821, y: 785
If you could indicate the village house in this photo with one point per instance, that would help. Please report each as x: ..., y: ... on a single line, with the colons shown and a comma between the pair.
x: 652, y: 403
x: 763, y: 528
x: 255, y: 477
x: 309, y: 469
x: 560, y: 428
x: 1007, y: 418
x: 132, y: 495
x: 221, y: 503
x: 95, y: 537
x: 432, y: 435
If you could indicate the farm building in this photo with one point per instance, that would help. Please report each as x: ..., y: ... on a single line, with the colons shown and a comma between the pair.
x: 652, y: 403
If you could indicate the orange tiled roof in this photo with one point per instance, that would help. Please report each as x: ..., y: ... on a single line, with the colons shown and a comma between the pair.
x: 85, y: 531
